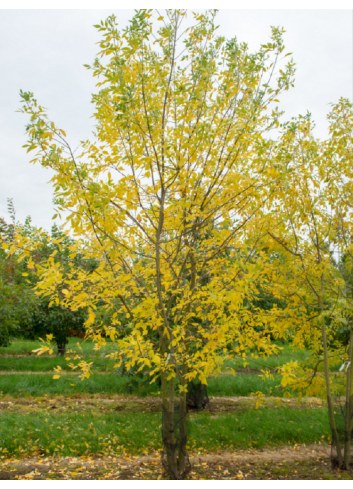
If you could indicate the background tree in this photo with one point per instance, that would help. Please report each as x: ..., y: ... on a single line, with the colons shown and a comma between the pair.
x: 16, y: 297
x: 55, y: 320
x: 317, y: 223
x: 48, y: 318
x: 23, y: 312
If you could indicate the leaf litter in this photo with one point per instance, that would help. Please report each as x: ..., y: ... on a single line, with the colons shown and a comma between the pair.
x: 298, y: 462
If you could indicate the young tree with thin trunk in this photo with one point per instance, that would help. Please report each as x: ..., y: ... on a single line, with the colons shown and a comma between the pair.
x: 170, y: 197
x: 316, y: 235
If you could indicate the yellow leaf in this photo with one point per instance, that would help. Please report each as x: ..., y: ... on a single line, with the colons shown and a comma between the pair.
x: 36, y: 351
x: 56, y: 377
x: 65, y: 292
x: 25, y: 275
x: 5, y: 246
x: 203, y: 380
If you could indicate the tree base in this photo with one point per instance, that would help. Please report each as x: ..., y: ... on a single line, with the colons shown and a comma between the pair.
x: 197, y: 398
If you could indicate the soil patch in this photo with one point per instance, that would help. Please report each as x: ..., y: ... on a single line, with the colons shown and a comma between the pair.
x: 285, y: 463
x: 99, y: 403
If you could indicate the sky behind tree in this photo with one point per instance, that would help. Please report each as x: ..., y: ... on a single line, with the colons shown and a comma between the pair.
x: 43, y: 51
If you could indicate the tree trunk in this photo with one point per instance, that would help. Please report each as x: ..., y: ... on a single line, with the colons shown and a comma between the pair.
x: 61, y: 349
x: 335, y: 438
x: 182, y: 422
x: 197, y: 397
x: 349, y: 407
x: 165, y: 420
x: 172, y: 427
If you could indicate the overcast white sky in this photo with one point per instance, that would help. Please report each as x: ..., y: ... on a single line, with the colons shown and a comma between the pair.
x: 43, y: 51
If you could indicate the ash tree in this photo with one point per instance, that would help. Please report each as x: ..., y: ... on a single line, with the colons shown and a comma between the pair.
x: 316, y: 235
x: 170, y: 197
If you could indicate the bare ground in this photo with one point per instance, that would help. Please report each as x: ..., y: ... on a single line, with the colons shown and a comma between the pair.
x: 148, y: 404
x: 293, y: 463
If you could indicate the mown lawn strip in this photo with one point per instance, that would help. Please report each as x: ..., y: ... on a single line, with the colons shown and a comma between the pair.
x: 41, y: 384
x: 93, y: 432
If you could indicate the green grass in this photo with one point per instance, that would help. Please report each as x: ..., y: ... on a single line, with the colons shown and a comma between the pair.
x: 259, y: 428
x: 25, y: 347
x: 36, y: 363
x: 285, y: 355
x: 30, y: 362
x: 47, y: 364
x: 89, y: 432
x: 74, y: 430
x: 38, y: 385
x: 77, y: 433
x: 243, y: 385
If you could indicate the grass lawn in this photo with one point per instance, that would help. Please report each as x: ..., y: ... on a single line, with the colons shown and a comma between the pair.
x: 25, y: 347
x: 48, y: 363
x: 17, y: 358
x: 43, y: 417
x: 285, y: 355
x: 107, y: 432
x: 39, y: 384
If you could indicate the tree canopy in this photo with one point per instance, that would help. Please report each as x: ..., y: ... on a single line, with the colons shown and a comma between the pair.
x: 193, y: 211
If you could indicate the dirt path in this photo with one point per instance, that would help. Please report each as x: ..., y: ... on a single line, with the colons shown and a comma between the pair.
x: 298, y: 463
x: 101, y: 403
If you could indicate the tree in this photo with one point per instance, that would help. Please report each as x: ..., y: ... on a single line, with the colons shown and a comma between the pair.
x: 16, y: 297
x: 47, y: 318
x: 22, y: 310
x: 54, y: 320
x: 316, y: 211
x: 176, y: 181
x: 13, y: 298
